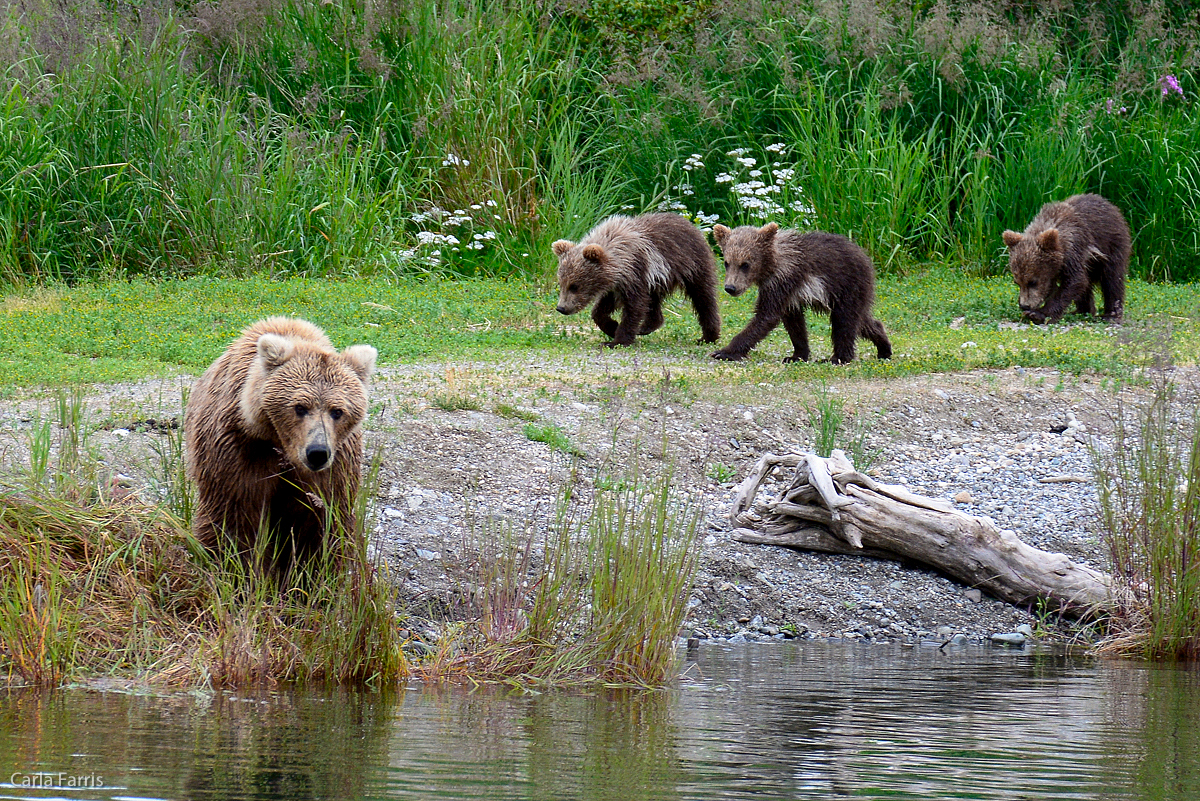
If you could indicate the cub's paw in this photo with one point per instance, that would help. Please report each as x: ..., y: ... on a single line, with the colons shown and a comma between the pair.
x: 794, y: 358
x: 728, y: 356
x: 617, y: 344
x: 1035, y: 317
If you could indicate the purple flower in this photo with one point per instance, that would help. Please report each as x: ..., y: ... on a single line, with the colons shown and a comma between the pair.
x: 1169, y: 85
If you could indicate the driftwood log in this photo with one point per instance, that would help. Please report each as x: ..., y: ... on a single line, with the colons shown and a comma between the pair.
x: 829, y: 506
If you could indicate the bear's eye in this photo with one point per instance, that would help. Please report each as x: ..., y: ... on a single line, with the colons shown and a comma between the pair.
x: 1032, y: 284
x: 301, y: 409
x: 336, y: 414
x: 573, y: 288
x: 745, y: 266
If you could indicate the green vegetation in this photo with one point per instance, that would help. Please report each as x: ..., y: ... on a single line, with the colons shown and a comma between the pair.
x: 553, y: 436
x: 1149, y: 486
x: 599, y: 600
x: 303, y: 137
x: 827, y: 419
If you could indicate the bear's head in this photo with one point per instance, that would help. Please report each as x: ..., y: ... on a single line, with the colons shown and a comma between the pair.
x: 1035, y: 262
x: 584, y: 273
x: 746, y: 250
x: 306, y: 398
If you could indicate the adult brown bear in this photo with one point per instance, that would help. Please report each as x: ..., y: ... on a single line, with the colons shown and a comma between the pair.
x: 274, y: 440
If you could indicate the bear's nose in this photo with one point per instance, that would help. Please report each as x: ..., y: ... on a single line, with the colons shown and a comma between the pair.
x: 731, y: 289
x: 561, y: 310
x: 317, y: 456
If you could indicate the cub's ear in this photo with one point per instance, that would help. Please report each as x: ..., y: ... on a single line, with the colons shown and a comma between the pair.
x: 361, y: 359
x: 720, y: 233
x: 768, y: 230
x: 1012, y: 238
x: 274, y: 350
x: 562, y: 247
x: 1048, y: 239
x: 593, y: 252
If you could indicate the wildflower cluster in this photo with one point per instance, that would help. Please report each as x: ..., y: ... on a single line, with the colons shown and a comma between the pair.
x: 443, y: 232
x: 1169, y: 85
x: 767, y: 191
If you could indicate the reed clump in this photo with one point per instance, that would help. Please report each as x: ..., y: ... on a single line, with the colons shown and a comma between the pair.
x: 597, y: 597
x: 1149, y: 492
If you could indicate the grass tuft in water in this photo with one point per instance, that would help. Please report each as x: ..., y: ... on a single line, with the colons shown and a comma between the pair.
x: 1149, y: 492
x: 597, y: 597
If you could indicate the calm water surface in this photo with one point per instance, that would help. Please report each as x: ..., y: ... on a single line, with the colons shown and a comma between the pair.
x: 796, y: 720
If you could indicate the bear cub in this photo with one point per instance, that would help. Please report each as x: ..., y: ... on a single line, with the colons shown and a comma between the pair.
x: 1068, y: 249
x: 796, y: 271
x: 632, y: 263
x: 274, y: 440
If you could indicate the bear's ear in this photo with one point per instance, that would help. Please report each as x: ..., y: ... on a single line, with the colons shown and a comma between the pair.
x: 1012, y: 238
x: 562, y: 247
x: 361, y: 359
x: 720, y: 233
x: 274, y: 350
x: 593, y: 252
x: 767, y: 232
x: 1048, y: 239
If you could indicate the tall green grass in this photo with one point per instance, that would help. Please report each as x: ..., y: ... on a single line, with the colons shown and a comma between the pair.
x: 460, y: 137
x: 1149, y: 488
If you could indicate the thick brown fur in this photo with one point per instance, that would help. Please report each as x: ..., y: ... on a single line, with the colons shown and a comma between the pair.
x: 274, y: 440
x: 633, y: 263
x: 796, y: 271
x: 1068, y: 249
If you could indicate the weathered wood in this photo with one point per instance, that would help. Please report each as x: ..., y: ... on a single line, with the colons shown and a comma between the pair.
x: 828, y: 506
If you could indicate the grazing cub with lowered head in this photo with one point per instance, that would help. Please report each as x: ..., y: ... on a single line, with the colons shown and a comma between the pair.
x: 796, y: 271
x: 1068, y: 249
x: 633, y: 263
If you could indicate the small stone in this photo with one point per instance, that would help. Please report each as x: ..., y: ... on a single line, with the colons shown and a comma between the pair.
x: 743, y: 620
x: 392, y: 513
x: 748, y: 416
x: 1013, y: 640
x: 963, y: 497
x: 941, y: 393
x: 710, y: 540
x: 944, y: 631
x: 756, y: 624
x: 414, y: 502
x: 429, y: 555
x: 973, y: 595
x: 737, y: 638
x: 958, y: 639
x: 1025, y: 629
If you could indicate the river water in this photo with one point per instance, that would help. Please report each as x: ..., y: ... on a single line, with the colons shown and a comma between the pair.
x: 804, y: 720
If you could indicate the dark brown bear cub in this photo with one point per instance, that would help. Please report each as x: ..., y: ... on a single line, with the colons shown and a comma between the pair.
x: 796, y: 271
x: 633, y: 263
x: 1069, y: 248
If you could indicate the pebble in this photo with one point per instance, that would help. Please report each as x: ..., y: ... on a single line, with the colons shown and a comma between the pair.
x: 1013, y: 639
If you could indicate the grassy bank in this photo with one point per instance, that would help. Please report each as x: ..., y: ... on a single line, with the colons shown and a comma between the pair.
x: 366, y: 137
x: 103, y: 580
x: 939, y: 320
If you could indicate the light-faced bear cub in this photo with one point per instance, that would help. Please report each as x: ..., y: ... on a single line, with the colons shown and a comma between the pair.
x: 632, y: 263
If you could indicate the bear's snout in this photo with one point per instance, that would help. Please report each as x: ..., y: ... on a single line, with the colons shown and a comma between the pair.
x: 732, y: 290
x: 562, y: 310
x: 317, y: 456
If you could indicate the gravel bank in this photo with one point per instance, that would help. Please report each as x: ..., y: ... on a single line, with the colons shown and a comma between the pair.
x: 987, y: 440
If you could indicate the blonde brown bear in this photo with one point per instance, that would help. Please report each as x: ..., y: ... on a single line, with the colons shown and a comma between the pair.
x: 274, y: 440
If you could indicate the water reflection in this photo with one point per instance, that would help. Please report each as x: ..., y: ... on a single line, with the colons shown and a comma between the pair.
x: 809, y: 720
